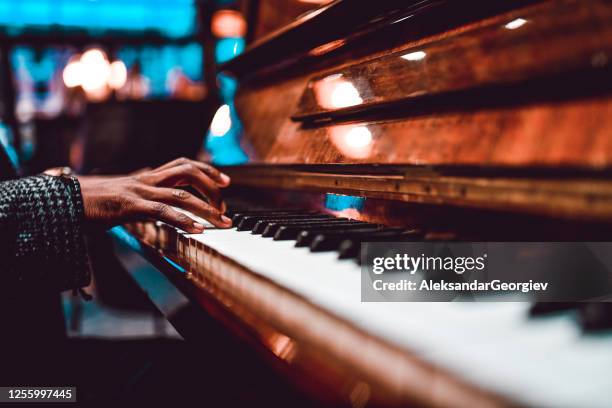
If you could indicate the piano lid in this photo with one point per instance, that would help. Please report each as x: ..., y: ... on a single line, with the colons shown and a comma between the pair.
x: 333, y: 25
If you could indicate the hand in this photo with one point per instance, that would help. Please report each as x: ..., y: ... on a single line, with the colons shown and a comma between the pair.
x: 151, y: 194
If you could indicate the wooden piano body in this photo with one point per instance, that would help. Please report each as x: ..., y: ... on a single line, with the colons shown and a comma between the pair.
x: 486, y: 120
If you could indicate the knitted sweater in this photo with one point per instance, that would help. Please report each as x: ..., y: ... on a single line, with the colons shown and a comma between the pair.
x: 41, y: 232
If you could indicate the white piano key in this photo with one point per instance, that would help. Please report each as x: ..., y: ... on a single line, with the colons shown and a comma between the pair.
x: 535, y: 361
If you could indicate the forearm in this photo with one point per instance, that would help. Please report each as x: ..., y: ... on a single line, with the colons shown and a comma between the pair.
x: 41, y: 233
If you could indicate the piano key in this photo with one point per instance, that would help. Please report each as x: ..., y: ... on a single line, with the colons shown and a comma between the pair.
x: 261, y: 225
x: 306, y: 238
x: 269, y: 228
x: 231, y: 212
x: 237, y: 217
x: 272, y: 228
x: 351, y: 248
x: 248, y: 222
x: 546, y: 308
x: 493, y: 345
x: 291, y: 232
x: 595, y: 316
x: 241, y: 213
x: 332, y: 241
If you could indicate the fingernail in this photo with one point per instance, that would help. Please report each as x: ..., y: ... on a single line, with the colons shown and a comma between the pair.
x: 198, y: 226
x: 226, y: 219
x: 225, y: 178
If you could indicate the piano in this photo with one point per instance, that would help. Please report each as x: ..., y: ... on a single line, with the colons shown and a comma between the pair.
x: 398, y: 121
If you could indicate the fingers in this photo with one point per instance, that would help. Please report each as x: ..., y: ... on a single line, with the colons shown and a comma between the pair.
x: 218, y: 177
x: 140, y: 171
x: 187, y: 201
x: 188, y: 174
x: 164, y: 212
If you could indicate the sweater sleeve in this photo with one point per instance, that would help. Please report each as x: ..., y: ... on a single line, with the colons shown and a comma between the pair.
x: 41, y: 233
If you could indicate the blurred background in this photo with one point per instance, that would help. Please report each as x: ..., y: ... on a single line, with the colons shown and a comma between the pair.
x: 109, y: 86
x: 112, y: 86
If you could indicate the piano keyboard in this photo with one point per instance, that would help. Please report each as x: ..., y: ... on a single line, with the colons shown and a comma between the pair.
x: 548, y: 355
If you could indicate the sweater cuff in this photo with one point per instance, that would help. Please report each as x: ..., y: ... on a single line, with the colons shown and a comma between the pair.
x: 51, y: 248
x: 82, y: 270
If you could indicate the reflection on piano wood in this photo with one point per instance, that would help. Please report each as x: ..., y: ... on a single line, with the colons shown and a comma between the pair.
x: 285, y: 280
x: 412, y: 120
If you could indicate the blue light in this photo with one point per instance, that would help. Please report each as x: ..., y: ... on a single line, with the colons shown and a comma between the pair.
x: 339, y: 202
x: 227, y: 87
x: 126, y: 238
x: 156, y: 62
x: 225, y: 150
x: 6, y: 141
x: 177, y: 266
x: 40, y: 70
x: 228, y: 48
x: 173, y: 18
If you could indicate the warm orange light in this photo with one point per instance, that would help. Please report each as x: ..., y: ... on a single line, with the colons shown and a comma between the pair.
x: 95, y: 74
x: 228, y: 23
x: 118, y: 75
x: 95, y: 70
x: 354, y: 141
x: 334, y: 92
x: 72, y: 74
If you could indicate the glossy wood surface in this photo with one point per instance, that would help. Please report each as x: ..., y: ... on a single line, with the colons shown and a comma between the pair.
x: 558, y: 121
x: 579, y: 198
x: 497, y: 52
x: 342, y: 21
x: 274, y: 15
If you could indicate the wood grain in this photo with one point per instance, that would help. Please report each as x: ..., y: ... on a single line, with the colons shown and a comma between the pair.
x: 564, y: 123
x: 505, y: 50
x: 572, y: 197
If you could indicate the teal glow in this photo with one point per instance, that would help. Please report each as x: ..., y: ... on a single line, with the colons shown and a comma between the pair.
x: 227, y: 87
x: 225, y: 150
x: 156, y: 62
x: 228, y: 48
x: 172, y: 18
x: 338, y: 202
x: 123, y: 236
x: 6, y: 141
x: 174, y: 264
x: 41, y: 68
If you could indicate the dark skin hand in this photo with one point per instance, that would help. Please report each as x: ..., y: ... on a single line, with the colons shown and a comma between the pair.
x: 151, y: 194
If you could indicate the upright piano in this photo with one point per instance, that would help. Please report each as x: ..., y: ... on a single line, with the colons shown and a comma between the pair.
x: 398, y: 121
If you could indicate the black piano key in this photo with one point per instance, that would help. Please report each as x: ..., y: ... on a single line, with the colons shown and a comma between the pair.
x: 231, y: 212
x: 332, y: 240
x: 595, y: 316
x: 546, y: 308
x: 239, y: 215
x: 273, y: 227
x: 248, y: 222
x: 306, y: 238
x: 289, y: 232
x: 262, y: 225
x: 351, y: 248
